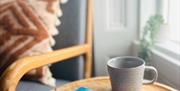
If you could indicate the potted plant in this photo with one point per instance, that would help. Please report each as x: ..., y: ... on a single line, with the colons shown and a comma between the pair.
x: 150, y: 32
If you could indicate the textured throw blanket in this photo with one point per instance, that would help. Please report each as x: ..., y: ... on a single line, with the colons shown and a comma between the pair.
x: 27, y: 28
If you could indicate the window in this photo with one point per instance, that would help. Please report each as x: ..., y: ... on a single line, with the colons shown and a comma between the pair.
x: 170, y: 10
x: 171, y: 13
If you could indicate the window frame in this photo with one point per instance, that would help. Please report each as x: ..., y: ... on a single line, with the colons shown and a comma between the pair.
x: 168, y: 8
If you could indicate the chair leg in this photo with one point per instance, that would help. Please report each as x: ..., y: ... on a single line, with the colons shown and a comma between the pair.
x: 88, y: 65
x: 88, y: 54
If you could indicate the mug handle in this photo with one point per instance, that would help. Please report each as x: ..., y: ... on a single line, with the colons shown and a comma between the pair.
x: 155, y: 74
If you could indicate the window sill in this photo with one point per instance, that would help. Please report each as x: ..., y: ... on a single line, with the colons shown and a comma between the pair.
x: 168, y: 48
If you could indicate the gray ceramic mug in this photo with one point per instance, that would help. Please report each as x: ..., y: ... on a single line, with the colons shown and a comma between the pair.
x: 127, y: 73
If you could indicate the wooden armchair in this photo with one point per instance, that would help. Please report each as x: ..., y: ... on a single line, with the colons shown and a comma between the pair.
x: 15, y: 72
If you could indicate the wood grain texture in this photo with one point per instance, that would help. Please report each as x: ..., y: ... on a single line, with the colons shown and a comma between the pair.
x: 103, y: 84
x: 14, y: 73
x: 89, y: 34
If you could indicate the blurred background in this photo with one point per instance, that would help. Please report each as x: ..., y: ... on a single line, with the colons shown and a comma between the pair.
x: 146, y: 28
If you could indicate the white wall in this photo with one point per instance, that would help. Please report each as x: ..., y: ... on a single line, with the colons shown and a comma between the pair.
x: 147, y: 8
x: 115, y: 28
x: 168, y: 69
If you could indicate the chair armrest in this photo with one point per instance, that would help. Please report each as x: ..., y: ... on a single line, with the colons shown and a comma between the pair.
x: 15, y: 72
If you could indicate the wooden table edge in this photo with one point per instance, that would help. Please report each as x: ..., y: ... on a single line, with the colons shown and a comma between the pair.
x: 106, y: 77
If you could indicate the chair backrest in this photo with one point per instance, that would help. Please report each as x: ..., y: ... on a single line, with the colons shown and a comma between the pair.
x: 71, y: 32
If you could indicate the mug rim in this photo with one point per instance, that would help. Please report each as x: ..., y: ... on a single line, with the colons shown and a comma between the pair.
x: 123, y: 57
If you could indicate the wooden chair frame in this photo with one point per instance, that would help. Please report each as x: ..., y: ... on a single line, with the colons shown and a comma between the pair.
x: 12, y: 75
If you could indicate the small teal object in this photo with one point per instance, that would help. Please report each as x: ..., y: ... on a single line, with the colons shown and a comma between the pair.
x: 83, y: 89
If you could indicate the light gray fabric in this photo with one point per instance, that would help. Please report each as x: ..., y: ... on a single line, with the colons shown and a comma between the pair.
x: 34, y: 86
x: 72, y: 32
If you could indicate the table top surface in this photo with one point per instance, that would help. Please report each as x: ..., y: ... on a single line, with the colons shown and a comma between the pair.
x: 103, y: 84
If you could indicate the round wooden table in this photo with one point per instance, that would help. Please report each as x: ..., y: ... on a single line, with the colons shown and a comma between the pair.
x: 103, y: 84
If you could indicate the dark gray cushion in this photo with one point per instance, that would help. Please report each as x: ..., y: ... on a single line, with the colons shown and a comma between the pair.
x: 71, y: 32
x: 34, y: 86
